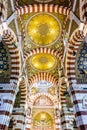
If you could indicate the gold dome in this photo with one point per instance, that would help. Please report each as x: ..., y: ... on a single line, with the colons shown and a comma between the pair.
x: 43, y: 62
x: 43, y: 29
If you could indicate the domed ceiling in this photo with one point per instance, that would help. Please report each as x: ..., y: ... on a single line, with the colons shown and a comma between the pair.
x: 43, y: 29
x: 43, y: 118
x: 42, y: 44
x: 43, y: 62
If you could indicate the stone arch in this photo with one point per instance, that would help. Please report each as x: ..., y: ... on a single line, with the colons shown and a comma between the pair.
x: 50, y: 102
x: 83, y: 10
x: 47, y: 8
x: 21, y: 95
x: 74, y: 43
x: 43, y: 76
x: 3, y: 8
x: 33, y: 98
x: 43, y: 50
x: 11, y: 41
x: 42, y: 8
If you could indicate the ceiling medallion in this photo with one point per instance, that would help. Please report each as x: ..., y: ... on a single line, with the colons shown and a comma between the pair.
x: 43, y: 29
x: 43, y: 62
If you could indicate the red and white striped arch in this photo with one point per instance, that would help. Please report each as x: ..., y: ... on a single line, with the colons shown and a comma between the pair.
x: 32, y: 99
x: 23, y: 90
x: 74, y: 44
x: 43, y: 76
x: 42, y: 8
x: 10, y: 39
x: 83, y: 10
x: 3, y: 9
x: 51, y: 51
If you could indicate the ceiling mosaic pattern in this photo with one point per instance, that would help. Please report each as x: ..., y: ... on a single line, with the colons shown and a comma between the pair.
x: 81, y: 73
x: 41, y: 51
x: 43, y: 120
x: 43, y: 62
x: 50, y: 40
x: 51, y: 90
x: 43, y: 29
x: 5, y: 63
x: 40, y: 32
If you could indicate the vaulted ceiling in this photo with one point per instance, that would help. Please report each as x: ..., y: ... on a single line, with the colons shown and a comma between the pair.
x: 42, y: 26
x: 40, y: 48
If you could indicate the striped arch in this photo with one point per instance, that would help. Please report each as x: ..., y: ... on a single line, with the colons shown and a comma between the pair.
x: 62, y: 96
x: 43, y: 50
x: 42, y: 8
x: 3, y: 9
x: 74, y: 43
x: 46, y: 97
x: 10, y: 39
x: 43, y: 76
x: 23, y: 90
x: 33, y: 98
x: 83, y: 10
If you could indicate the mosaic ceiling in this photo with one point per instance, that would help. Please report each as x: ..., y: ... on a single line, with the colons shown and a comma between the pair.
x: 43, y: 29
x: 42, y: 33
x: 42, y: 119
x: 43, y: 62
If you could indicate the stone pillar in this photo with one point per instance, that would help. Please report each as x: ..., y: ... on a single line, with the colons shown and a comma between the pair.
x: 19, y: 117
x: 57, y: 123
x: 78, y: 94
x: 57, y: 119
x: 29, y: 119
x: 66, y: 118
x: 7, y: 97
x: 28, y: 122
